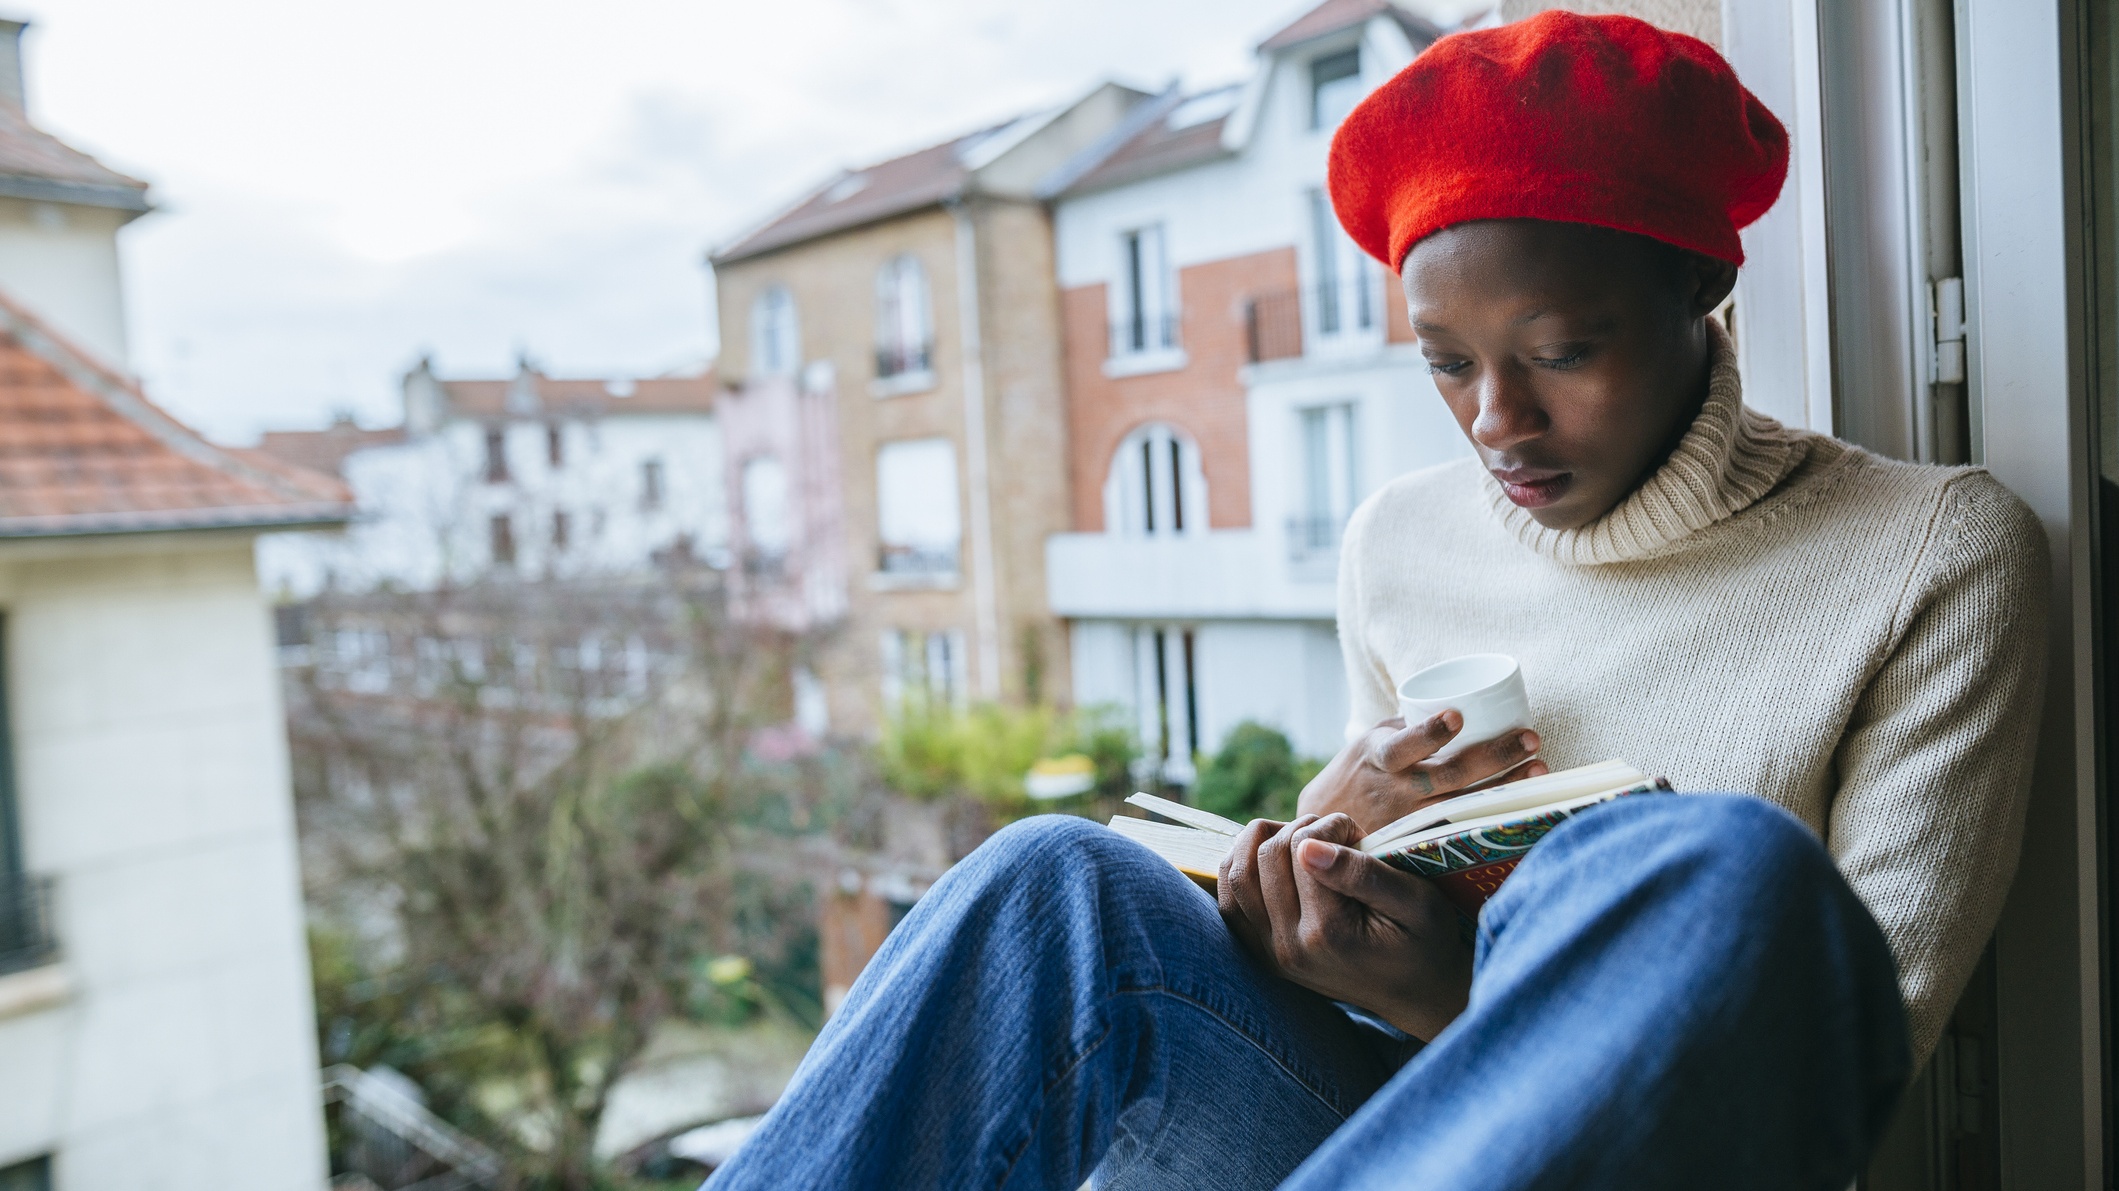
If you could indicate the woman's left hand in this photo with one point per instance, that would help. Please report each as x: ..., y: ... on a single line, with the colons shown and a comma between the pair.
x: 1340, y: 922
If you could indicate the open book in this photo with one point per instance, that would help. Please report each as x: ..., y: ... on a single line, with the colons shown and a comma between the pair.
x: 1466, y: 845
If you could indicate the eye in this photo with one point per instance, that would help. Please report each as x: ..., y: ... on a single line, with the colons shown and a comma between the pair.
x: 1574, y: 355
x: 1447, y: 367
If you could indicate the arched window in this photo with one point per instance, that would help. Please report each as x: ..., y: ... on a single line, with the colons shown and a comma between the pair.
x: 904, y: 321
x: 1156, y: 485
x: 775, y: 333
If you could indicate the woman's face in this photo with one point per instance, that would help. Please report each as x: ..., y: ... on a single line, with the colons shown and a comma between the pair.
x: 1573, y: 357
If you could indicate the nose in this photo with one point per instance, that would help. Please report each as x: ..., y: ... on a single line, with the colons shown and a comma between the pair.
x: 1509, y: 412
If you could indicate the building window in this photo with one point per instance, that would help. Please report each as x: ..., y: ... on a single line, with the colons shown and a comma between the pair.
x: 766, y: 524
x: 1330, y: 486
x: 651, y: 484
x: 775, y: 334
x: 904, y: 320
x: 496, y: 455
x: 555, y: 446
x: 562, y: 532
x: 1166, y: 678
x: 929, y: 666
x: 1346, y: 299
x: 26, y: 939
x: 1144, y: 315
x: 1156, y: 485
x: 918, y: 522
x: 1335, y: 87
x: 500, y: 533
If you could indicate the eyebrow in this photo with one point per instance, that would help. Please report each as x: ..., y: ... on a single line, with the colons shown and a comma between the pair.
x: 1531, y: 317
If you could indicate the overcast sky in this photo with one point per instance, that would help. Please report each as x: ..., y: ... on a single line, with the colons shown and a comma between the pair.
x: 343, y: 186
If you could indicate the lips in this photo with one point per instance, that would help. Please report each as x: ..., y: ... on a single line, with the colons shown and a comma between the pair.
x: 1533, y: 487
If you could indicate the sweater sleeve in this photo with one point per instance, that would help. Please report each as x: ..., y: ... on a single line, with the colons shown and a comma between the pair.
x: 1370, y: 699
x: 1934, y: 769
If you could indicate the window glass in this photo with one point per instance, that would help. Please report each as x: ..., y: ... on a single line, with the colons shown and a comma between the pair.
x: 765, y: 515
x: 1335, y: 87
x: 930, y: 665
x: 1144, y: 314
x: 1156, y: 484
x: 1329, y: 487
x: 651, y: 484
x: 1346, y: 299
x: 500, y: 534
x: 775, y: 333
x: 919, y: 524
x: 496, y: 455
x: 904, y: 329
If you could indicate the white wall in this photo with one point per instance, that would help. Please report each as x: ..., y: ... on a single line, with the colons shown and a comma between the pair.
x: 1249, y: 203
x: 150, y: 749
x: 425, y: 509
x: 61, y: 261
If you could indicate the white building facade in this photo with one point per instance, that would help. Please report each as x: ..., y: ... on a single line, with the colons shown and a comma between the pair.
x: 533, y: 476
x: 1256, y: 382
x: 156, y: 1024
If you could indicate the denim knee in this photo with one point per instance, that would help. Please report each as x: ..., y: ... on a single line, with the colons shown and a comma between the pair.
x: 1743, y: 849
x: 1065, y: 851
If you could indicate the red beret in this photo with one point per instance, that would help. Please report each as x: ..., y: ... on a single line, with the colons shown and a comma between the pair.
x: 1579, y: 119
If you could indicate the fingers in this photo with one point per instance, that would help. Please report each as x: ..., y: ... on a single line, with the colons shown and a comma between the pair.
x: 1352, y: 873
x: 1276, y: 883
x: 1242, y: 903
x: 1407, y: 747
x: 1486, y: 759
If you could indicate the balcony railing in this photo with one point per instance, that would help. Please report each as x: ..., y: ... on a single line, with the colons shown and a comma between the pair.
x: 1314, y: 537
x: 26, y: 938
x: 901, y: 360
x: 1279, y: 325
x: 1142, y: 333
x: 917, y: 560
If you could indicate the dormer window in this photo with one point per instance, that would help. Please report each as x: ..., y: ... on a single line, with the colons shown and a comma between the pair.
x: 1335, y: 87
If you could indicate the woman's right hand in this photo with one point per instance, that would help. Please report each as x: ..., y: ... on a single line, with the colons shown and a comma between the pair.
x: 1386, y: 773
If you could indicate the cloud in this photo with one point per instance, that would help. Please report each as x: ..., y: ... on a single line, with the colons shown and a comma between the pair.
x: 346, y: 187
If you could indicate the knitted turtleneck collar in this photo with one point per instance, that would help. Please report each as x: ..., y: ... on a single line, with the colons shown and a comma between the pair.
x: 1731, y: 457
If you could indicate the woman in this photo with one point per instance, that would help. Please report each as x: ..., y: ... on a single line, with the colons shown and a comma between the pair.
x: 1669, y: 992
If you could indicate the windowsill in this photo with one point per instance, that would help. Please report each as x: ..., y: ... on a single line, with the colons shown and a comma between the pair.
x: 1167, y: 359
x: 25, y: 992
x: 914, y: 581
x: 903, y: 384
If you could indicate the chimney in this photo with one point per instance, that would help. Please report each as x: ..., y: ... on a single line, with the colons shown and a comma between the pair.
x: 11, y: 89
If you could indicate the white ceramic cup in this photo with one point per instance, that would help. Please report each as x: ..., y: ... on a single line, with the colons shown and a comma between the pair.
x: 1485, y: 688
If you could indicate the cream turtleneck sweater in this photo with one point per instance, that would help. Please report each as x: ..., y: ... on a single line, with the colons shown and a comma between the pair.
x: 1776, y: 612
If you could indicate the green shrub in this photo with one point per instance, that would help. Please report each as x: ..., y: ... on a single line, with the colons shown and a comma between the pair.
x: 931, y: 749
x: 1256, y: 775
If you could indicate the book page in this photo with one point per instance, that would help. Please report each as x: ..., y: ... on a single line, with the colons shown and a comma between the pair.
x: 1515, y: 796
x: 1193, y: 851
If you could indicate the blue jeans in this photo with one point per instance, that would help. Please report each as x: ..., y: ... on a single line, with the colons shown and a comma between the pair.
x: 1670, y: 992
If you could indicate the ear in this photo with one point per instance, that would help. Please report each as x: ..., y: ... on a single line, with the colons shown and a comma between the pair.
x: 1710, y: 278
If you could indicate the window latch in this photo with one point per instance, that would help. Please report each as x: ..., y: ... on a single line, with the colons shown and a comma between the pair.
x: 1946, y: 353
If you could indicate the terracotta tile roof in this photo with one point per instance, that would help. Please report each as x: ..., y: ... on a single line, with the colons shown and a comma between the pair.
x: 1334, y: 15
x: 488, y: 399
x: 37, y: 165
x: 856, y: 197
x: 1176, y: 139
x: 325, y: 450
x: 82, y: 451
